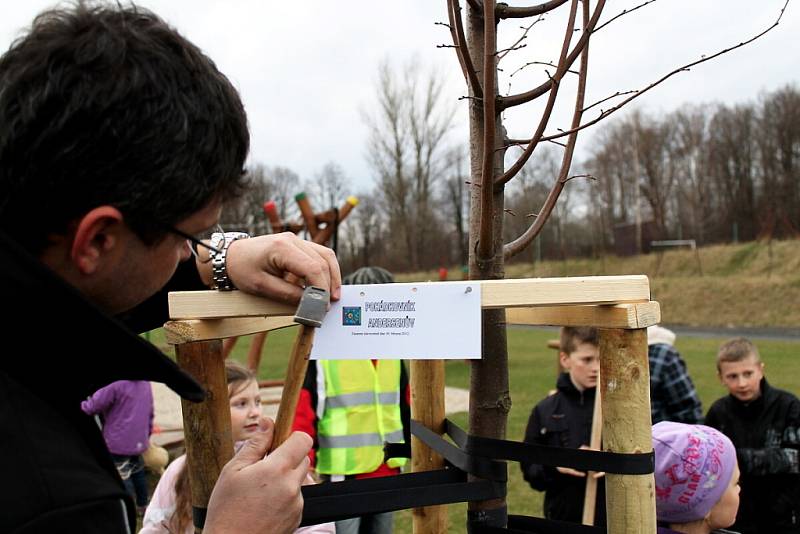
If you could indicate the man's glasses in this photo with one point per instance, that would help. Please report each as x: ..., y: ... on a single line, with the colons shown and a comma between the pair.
x: 194, y: 242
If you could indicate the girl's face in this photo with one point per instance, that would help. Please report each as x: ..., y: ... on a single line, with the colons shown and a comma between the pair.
x: 723, y: 514
x: 245, y: 409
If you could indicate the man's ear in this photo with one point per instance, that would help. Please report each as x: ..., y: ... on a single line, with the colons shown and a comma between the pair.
x: 96, y: 235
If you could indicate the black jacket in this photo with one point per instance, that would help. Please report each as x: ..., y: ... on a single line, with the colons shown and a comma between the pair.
x: 563, y: 419
x: 57, y: 474
x: 766, y: 434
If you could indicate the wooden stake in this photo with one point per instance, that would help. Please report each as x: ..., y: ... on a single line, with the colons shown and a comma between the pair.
x: 625, y: 381
x: 206, y: 425
x: 427, y: 406
x: 590, y: 498
x: 254, y: 354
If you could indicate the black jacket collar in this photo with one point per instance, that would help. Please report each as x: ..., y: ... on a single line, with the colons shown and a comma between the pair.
x: 565, y: 386
x: 754, y: 408
x: 69, y: 347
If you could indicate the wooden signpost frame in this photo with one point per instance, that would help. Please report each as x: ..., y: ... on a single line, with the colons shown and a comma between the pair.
x: 619, y: 306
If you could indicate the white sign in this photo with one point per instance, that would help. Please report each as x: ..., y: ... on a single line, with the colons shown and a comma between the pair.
x: 425, y: 321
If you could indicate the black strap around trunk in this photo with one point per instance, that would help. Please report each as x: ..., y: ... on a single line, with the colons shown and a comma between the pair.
x: 352, y: 498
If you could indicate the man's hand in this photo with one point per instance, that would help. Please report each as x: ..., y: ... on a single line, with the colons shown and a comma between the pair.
x: 262, y: 264
x: 257, y: 494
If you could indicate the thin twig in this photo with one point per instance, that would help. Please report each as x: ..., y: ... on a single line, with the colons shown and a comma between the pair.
x: 548, y: 63
x: 618, y: 93
x: 624, y: 12
x: 446, y: 25
x: 587, y: 176
x: 531, y: 215
x: 446, y: 46
x: 522, y: 37
x: 507, y: 50
x: 510, y: 212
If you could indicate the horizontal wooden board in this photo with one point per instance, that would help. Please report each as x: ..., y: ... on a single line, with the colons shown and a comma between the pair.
x: 523, y: 292
x: 185, y: 331
x: 628, y: 316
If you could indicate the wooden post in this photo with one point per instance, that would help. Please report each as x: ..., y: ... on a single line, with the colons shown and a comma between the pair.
x: 207, y: 424
x: 254, y: 354
x: 427, y: 406
x: 625, y: 381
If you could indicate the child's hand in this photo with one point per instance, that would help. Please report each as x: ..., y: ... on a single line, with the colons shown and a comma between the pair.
x: 594, y: 474
x: 571, y: 472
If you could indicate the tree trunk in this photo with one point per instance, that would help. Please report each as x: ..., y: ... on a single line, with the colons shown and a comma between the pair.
x: 490, y: 400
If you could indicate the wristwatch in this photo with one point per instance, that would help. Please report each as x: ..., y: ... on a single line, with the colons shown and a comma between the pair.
x: 219, y: 269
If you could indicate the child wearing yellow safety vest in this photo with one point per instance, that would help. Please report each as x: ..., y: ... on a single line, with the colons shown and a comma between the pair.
x: 351, y: 408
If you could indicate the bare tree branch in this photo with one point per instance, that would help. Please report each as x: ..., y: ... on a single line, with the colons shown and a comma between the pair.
x: 551, y: 100
x: 687, y: 67
x: 624, y: 12
x: 618, y: 93
x: 530, y: 234
x: 507, y: 12
x: 475, y: 5
x: 503, y: 52
x: 522, y: 37
x: 548, y: 63
x: 587, y: 176
x: 457, y: 34
x: 485, y: 249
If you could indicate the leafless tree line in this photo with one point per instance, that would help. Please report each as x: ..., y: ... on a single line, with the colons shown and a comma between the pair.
x: 712, y: 173
x: 709, y: 172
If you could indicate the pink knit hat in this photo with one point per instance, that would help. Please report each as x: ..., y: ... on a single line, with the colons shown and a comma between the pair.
x: 694, y: 465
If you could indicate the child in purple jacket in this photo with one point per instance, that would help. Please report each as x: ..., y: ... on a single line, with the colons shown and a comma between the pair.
x: 125, y: 409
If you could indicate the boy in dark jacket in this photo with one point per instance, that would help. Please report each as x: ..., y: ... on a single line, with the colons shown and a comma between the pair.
x: 764, y: 425
x: 564, y: 419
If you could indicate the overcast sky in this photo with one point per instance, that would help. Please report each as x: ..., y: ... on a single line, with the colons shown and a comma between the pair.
x: 305, y: 69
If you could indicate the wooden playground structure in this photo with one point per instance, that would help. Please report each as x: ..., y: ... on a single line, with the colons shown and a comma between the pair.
x: 619, y: 305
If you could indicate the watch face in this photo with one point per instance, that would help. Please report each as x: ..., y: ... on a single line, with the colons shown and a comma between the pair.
x: 218, y: 239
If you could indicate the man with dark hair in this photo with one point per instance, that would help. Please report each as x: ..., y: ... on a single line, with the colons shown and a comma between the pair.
x: 119, y: 142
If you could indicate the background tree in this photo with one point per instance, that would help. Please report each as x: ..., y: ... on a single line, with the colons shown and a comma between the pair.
x: 407, y: 152
x: 265, y: 183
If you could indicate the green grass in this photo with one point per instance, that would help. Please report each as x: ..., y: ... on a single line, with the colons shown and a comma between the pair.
x: 532, y: 369
x: 747, y: 284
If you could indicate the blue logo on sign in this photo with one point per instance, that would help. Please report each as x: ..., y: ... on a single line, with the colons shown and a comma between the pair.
x: 351, y: 316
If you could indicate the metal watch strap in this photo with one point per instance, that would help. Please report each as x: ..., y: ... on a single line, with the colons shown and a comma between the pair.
x: 219, y: 266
